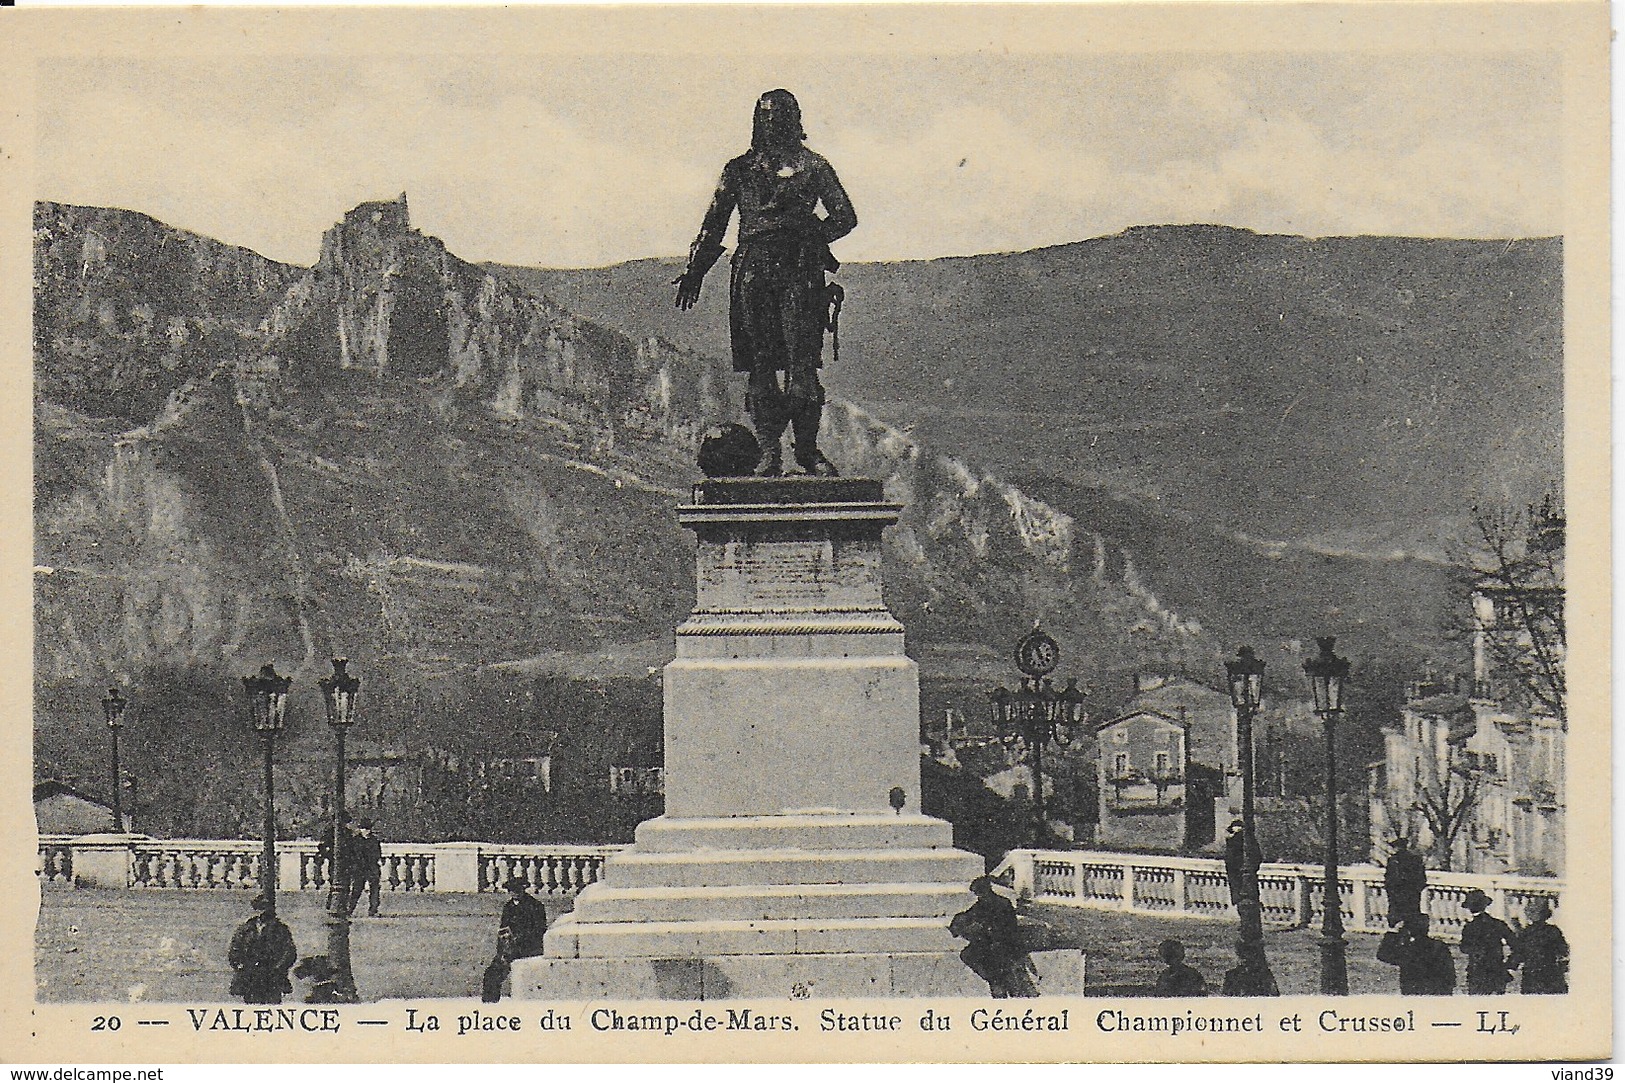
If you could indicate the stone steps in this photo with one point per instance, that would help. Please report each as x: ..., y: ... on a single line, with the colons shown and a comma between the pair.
x: 758, y: 902
x: 762, y: 977
x: 795, y: 831
x: 727, y: 868
x: 787, y: 936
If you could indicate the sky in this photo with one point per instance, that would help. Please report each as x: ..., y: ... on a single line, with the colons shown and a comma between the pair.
x: 573, y: 161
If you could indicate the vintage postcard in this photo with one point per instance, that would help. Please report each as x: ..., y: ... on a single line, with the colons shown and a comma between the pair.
x: 807, y: 533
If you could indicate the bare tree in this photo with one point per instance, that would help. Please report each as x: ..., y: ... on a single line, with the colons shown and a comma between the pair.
x: 1518, y: 564
x: 1447, y: 804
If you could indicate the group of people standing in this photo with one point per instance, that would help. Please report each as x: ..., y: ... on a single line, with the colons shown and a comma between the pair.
x: 1491, y: 947
x: 262, y: 951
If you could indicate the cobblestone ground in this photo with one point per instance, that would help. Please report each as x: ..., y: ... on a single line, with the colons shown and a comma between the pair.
x: 171, y: 946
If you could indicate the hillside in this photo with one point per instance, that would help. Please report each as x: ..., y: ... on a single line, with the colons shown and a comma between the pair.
x: 463, y: 477
x: 455, y: 481
x: 1345, y: 394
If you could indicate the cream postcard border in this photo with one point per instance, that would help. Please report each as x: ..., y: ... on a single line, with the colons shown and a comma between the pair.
x: 1578, y: 1026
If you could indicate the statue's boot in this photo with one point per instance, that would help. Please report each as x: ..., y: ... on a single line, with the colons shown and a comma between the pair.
x: 818, y: 465
x: 807, y: 401
x: 772, y: 464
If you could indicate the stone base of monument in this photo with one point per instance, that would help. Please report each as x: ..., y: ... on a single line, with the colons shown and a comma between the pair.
x: 815, y: 976
x: 793, y: 884
x: 793, y: 859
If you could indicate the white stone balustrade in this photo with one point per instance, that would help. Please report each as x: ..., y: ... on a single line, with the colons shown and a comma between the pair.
x: 1291, y: 894
x: 55, y: 859
x: 136, y: 861
x: 549, y: 870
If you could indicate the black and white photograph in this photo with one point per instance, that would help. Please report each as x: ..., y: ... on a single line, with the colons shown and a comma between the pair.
x: 843, y: 532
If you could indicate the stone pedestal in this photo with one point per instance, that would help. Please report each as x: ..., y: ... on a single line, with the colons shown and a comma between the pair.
x: 791, y: 720
x: 103, y: 860
x: 457, y: 866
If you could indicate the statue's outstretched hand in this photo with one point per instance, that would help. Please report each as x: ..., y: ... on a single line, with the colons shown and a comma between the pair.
x: 688, y: 289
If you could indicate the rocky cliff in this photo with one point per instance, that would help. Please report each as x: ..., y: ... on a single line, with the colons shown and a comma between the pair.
x: 404, y: 458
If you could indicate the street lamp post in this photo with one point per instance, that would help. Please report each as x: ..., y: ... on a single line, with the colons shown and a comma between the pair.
x: 1036, y: 713
x: 113, y: 710
x: 1327, y: 674
x: 1245, y: 676
x: 339, y: 695
x: 267, y: 693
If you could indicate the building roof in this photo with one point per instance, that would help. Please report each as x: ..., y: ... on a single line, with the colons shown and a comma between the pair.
x: 1176, y: 691
x: 1207, y: 713
x: 50, y: 787
x: 1131, y: 715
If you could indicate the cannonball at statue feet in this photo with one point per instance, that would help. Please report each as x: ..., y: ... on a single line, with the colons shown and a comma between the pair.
x: 780, y: 302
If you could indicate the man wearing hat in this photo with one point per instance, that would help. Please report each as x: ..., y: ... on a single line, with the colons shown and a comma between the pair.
x: 1405, y: 877
x: 1542, y: 950
x: 1241, y: 854
x: 995, y: 952
x: 1484, y: 940
x: 524, y: 922
x: 260, y: 955
x: 362, y: 864
x: 520, y: 936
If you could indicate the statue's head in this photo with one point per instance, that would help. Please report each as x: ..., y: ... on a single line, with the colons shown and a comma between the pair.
x: 777, y: 122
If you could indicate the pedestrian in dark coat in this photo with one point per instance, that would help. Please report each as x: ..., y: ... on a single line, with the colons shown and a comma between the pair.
x: 324, y: 844
x: 1484, y: 941
x: 261, y: 953
x: 995, y: 952
x: 1543, y: 952
x: 1237, y: 854
x: 524, y: 923
x: 1178, y: 979
x: 1425, y: 965
x: 363, y: 863
x: 1251, y: 976
x: 1405, y: 877
x: 520, y: 936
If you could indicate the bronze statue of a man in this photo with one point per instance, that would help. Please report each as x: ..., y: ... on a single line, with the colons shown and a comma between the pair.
x: 779, y: 300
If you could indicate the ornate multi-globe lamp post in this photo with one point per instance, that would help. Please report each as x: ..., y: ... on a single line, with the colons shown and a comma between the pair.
x: 339, y: 693
x: 1327, y: 674
x: 113, y: 711
x: 1036, y: 713
x: 1245, y: 676
x: 267, y: 693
